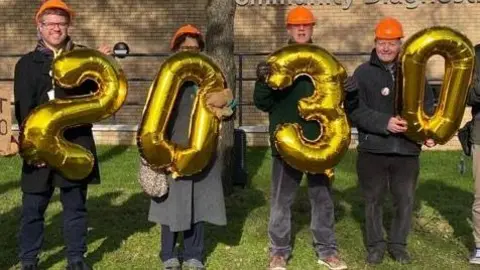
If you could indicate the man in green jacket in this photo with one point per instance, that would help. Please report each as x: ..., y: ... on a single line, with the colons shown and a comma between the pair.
x: 282, y: 107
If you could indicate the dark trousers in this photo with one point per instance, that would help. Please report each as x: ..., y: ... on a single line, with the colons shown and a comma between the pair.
x: 377, y: 174
x: 74, y: 223
x: 285, y: 182
x: 193, y: 243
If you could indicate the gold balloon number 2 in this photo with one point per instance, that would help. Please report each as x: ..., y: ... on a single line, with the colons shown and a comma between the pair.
x: 459, y: 57
x: 324, y: 106
x: 41, y: 139
x: 158, y: 150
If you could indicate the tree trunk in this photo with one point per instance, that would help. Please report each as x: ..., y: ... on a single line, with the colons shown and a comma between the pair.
x: 220, y: 46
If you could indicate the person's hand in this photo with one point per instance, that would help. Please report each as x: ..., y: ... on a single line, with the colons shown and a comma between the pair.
x: 263, y: 71
x: 219, y: 99
x: 105, y: 49
x: 222, y: 113
x: 218, y: 102
x: 430, y: 143
x: 39, y: 164
x: 397, y: 125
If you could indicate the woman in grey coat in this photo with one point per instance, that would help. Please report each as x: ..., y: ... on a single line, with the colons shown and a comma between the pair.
x: 193, y: 200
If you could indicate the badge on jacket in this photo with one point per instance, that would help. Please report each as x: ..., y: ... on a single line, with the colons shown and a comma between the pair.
x: 385, y: 91
x: 51, y: 94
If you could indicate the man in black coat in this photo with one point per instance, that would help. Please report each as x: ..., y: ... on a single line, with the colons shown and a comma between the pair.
x: 33, y: 86
x: 387, y: 159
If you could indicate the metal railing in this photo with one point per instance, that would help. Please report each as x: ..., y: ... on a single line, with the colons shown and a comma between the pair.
x: 240, y: 78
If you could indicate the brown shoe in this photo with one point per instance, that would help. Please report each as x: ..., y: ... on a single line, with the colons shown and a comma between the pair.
x: 277, y: 263
x: 333, y: 263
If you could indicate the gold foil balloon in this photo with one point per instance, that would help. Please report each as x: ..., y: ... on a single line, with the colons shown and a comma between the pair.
x: 42, y: 140
x: 324, y: 106
x: 459, y: 56
x: 154, y: 146
x: 330, y: 173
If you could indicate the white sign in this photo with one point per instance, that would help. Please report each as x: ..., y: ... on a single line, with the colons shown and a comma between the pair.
x: 5, y: 121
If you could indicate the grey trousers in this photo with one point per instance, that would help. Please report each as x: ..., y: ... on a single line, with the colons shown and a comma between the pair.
x: 285, y: 182
x: 476, y: 202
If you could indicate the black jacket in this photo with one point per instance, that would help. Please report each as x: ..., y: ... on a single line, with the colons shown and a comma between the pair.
x: 31, y: 84
x: 370, y: 106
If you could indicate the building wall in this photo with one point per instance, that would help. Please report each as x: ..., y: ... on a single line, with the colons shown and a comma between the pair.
x: 343, y: 26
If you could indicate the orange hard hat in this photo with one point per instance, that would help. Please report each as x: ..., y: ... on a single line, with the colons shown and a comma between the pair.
x: 48, y: 4
x: 186, y: 29
x: 389, y: 28
x: 300, y: 15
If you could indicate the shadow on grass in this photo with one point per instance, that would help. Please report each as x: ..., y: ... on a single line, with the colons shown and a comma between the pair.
x: 255, y: 157
x: 453, y: 204
x: 9, y: 223
x: 108, y: 221
x: 354, y: 197
x: 239, y: 205
x: 9, y: 185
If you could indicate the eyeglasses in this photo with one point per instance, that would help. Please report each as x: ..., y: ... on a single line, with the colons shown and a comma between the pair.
x: 52, y: 25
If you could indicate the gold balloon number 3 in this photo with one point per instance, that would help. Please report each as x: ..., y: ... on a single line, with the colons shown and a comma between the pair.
x: 158, y: 150
x: 459, y: 57
x: 42, y: 138
x: 324, y: 106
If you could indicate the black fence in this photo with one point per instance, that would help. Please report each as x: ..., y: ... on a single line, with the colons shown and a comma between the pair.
x: 241, y: 77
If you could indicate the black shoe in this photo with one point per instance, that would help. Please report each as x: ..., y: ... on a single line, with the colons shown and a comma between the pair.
x: 400, y: 255
x: 375, y: 256
x: 29, y: 267
x: 81, y: 265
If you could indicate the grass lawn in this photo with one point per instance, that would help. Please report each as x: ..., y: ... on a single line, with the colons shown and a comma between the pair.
x: 120, y: 237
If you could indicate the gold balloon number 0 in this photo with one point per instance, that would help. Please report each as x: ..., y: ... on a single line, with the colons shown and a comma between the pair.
x: 459, y: 57
x: 324, y: 106
x: 41, y: 138
x: 158, y: 150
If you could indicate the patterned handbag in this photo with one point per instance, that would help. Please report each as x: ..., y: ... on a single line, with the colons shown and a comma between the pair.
x: 153, y: 183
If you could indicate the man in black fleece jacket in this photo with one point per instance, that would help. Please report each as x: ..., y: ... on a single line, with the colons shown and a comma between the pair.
x: 387, y: 159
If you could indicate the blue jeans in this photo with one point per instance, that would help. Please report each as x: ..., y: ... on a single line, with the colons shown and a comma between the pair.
x: 193, y: 243
x: 74, y: 223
